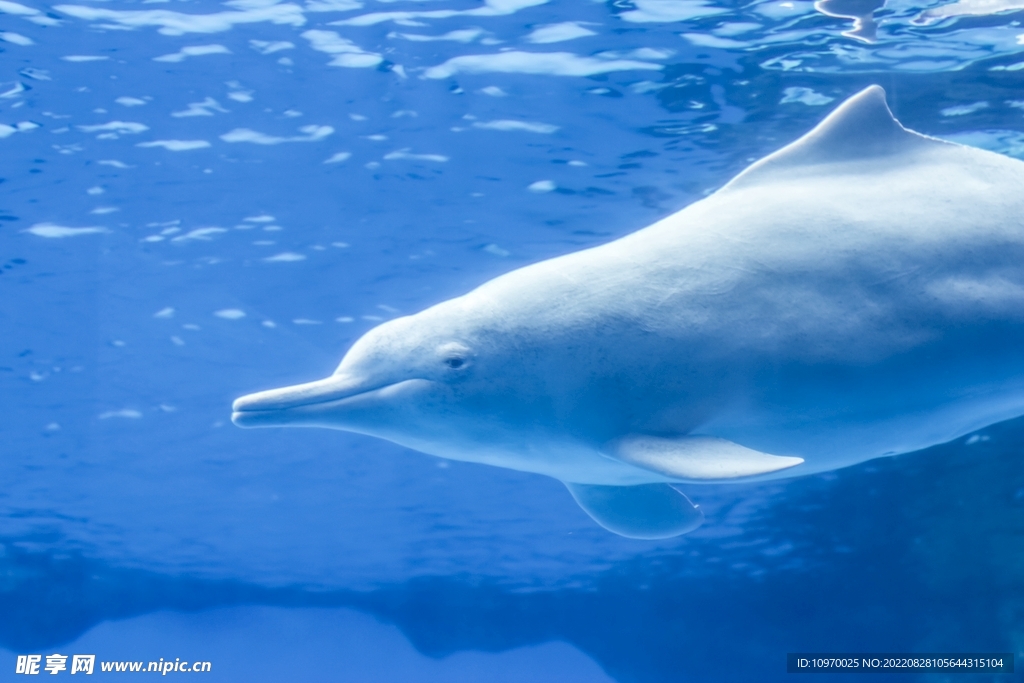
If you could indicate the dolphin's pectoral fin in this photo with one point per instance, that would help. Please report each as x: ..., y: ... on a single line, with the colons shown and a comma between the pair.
x: 648, y: 511
x: 698, y: 458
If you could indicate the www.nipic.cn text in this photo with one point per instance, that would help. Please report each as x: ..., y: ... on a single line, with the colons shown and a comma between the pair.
x: 86, y: 664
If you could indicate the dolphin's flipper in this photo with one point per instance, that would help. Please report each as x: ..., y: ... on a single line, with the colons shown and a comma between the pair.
x: 648, y: 511
x: 698, y: 458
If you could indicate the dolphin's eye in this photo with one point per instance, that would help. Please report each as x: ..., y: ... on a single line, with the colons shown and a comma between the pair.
x: 455, y: 355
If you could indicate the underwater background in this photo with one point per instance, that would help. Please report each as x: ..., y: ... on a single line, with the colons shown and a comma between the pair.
x: 199, y: 200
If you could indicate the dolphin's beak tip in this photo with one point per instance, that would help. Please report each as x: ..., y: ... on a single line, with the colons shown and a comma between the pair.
x: 248, y: 419
x: 243, y: 413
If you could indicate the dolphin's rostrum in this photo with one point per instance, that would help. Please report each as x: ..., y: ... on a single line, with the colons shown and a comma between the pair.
x: 858, y: 293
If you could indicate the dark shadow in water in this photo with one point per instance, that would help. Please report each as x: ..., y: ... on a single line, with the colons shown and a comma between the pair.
x: 916, y: 553
x: 922, y: 553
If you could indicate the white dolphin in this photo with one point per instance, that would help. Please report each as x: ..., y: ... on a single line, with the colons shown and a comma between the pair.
x: 858, y: 293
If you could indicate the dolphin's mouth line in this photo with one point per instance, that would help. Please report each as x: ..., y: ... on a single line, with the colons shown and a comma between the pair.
x: 303, y: 404
x: 303, y: 396
x: 310, y: 404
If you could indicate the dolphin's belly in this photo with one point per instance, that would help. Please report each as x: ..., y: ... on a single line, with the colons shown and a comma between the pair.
x: 829, y: 434
x: 566, y: 461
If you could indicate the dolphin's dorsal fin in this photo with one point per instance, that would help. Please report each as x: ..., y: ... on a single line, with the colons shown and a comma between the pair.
x: 697, y: 458
x: 860, y: 128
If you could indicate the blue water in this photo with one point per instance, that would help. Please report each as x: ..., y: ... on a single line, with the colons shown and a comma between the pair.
x: 201, y: 200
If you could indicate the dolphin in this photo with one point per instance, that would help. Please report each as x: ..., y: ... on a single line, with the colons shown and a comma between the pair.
x: 858, y: 293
